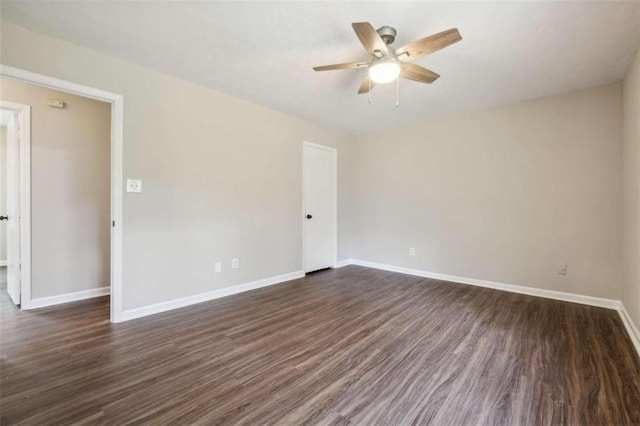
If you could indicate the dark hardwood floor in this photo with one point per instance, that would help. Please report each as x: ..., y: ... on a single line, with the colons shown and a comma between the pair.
x: 347, y: 346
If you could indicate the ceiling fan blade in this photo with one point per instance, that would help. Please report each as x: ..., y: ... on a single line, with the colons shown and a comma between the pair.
x: 417, y: 73
x: 370, y: 39
x: 366, y: 85
x: 347, y: 66
x: 427, y: 45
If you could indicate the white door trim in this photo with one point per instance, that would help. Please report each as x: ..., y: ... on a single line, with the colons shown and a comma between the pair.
x: 117, y: 143
x: 24, y: 189
x: 304, y: 207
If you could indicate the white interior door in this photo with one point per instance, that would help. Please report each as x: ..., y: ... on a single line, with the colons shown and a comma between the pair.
x: 320, y: 219
x: 13, y: 209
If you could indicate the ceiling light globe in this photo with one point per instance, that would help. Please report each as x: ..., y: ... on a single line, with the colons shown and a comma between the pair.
x: 384, y: 72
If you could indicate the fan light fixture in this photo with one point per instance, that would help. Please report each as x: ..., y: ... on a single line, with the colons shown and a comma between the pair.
x: 384, y: 71
x: 388, y: 63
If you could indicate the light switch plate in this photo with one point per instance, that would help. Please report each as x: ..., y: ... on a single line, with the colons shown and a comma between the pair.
x: 134, y: 185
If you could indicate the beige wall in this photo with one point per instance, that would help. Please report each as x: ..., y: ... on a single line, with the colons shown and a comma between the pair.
x: 631, y: 155
x: 503, y: 195
x: 221, y: 176
x: 69, y: 189
x: 3, y: 192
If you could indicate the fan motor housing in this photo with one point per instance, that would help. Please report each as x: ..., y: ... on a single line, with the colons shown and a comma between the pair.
x: 387, y: 34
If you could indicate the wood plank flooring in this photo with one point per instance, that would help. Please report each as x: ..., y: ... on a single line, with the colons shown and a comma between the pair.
x: 347, y: 346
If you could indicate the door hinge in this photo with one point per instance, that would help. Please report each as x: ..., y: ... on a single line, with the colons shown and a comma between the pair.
x: 113, y: 223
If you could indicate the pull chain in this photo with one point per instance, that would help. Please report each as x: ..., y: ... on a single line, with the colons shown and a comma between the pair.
x: 397, y: 92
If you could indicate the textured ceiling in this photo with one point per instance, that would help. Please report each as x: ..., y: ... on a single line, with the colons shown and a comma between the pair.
x: 264, y: 51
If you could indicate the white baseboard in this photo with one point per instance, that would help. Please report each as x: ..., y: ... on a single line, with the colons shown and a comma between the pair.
x: 204, y: 297
x: 3, y: 263
x: 343, y: 263
x: 42, y: 302
x: 632, y: 330
x: 531, y: 291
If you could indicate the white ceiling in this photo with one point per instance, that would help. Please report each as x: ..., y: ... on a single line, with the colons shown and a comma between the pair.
x: 264, y: 51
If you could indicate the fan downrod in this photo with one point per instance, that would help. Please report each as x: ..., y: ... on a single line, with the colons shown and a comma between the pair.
x: 387, y: 34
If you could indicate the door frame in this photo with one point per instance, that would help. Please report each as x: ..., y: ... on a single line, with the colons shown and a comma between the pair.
x: 24, y: 190
x: 306, y: 144
x: 117, y: 147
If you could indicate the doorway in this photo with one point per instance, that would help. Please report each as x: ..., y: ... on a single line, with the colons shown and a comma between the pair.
x: 319, y: 165
x: 69, y: 196
x: 113, y: 224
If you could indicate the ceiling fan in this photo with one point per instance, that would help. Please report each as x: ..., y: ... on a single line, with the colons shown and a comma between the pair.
x: 386, y: 64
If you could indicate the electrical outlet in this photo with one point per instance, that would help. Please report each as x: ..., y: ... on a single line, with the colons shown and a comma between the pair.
x: 134, y: 185
x: 412, y: 251
x: 235, y: 263
x: 562, y: 269
x: 218, y: 267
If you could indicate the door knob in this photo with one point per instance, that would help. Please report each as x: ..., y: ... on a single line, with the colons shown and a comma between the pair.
x: 309, y: 216
x: 4, y: 217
